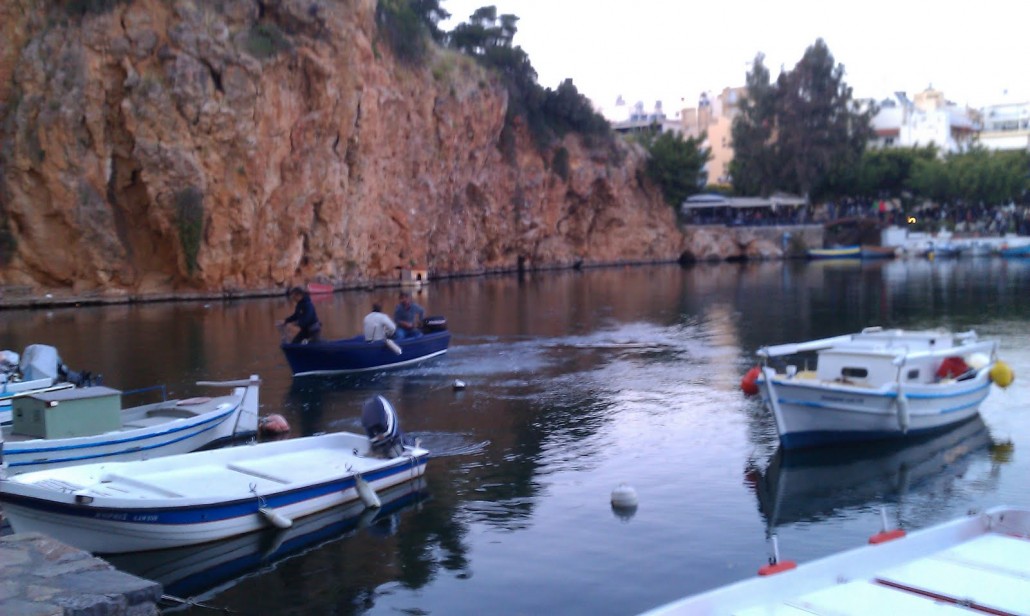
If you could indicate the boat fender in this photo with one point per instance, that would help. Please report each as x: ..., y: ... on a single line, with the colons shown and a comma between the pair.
x: 393, y: 346
x: 366, y: 493
x: 275, y: 518
x: 1001, y: 374
x: 749, y: 384
x: 273, y: 424
x: 903, y: 419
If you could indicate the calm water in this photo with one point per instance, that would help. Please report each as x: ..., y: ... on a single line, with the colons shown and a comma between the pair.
x: 577, y: 382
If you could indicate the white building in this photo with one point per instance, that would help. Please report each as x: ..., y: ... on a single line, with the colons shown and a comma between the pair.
x: 928, y: 119
x: 1006, y: 126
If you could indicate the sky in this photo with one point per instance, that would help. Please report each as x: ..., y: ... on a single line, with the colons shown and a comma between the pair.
x: 976, y: 53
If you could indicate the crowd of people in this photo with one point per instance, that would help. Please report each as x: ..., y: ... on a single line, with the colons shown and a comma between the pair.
x: 975, y: 220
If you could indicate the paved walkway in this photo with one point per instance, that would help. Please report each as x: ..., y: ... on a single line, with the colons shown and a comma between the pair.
x: 42, y: 577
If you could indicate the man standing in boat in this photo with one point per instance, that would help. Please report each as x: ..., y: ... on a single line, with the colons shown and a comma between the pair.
x: 408, y: 316
x: 304, y: 317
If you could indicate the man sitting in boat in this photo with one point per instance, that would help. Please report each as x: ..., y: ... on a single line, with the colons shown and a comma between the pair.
x: 378, y: 326
x: 381, y: 425
x: 408, y: 315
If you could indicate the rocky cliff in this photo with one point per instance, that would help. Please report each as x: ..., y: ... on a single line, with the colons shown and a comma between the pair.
x: 230, y: 146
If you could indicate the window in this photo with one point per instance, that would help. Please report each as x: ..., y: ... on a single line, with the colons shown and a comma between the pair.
x: 854, y: 373
x: 913, y: 374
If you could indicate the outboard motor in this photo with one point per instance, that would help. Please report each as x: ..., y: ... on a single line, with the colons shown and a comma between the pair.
x: 381, y: 425
x: 434, y: 324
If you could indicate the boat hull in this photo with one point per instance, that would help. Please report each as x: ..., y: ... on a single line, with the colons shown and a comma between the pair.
x: 975, y: 564
x: 149, y: 431
x: 355, y: 355
x: 228, y: 493
x: 811, y: 413
x: 844, y: 252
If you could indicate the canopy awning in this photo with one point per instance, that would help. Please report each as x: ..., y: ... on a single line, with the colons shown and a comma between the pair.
x: 709, y: 200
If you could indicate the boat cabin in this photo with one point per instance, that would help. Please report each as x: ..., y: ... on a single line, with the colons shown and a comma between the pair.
x: 874, y: 357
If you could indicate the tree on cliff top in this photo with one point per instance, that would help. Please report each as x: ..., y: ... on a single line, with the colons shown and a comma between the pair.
x: 675, y: 164
x: 408, y: 25
x: 489, y: 38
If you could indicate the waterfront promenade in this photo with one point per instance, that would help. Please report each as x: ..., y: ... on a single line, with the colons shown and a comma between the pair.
x: 42, y: 577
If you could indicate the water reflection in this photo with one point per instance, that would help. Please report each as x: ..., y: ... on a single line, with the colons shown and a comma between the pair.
x: 806, y: 486
x: 201, y: 571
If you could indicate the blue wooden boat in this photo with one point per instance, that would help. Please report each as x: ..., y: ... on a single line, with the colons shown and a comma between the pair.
x: 354, y: 355
x: 1016, y: 252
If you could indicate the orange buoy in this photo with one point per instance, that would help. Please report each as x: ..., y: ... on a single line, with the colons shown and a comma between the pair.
x: 886, y: 535
x: 273, y: 424
x: 778, y: 567
x: 952, y: 368
x: 749, y: 384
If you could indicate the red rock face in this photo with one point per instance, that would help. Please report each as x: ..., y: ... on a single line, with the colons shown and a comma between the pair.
x: 165, y: 147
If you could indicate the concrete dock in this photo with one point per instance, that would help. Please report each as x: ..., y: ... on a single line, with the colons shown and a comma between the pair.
x: 42, y: 577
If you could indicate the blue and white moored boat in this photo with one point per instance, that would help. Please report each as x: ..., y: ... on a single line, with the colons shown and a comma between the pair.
x: 88, y: 424
x: 978, y: 564
x: 877, y: 384
x: 203, y: 496
x: 355, y: 355
x: 37, y: 369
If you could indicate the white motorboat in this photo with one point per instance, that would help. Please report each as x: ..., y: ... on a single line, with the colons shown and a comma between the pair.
x: 876, y: 384
x: 203, y: 496
x: 81, y: 425
x: 979, y: 564
x: 38, y: 369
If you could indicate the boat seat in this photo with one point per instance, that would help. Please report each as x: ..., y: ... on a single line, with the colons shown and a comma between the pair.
x: 136, y: 483
x: 172, y: 412
x: 239, y: 468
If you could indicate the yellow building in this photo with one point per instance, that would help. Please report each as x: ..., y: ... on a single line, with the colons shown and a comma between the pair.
x: 714, y: 119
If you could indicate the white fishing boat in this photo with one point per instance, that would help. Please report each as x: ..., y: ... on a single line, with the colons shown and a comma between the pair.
x: 876, y: 384
x: 81, y: 425
x: 203, y: 496
x: 979, y: 564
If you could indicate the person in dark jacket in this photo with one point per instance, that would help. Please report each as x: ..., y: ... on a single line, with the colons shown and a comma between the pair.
x: 304, y: 317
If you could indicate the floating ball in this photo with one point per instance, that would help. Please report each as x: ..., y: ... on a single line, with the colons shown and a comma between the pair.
x: 1001, y: 374
x: 749, y: 384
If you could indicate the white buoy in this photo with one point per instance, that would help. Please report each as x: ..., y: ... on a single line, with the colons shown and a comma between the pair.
x: 274, y: 518
x: 393, y: 346
x: 459, y: 384
x: 367, y: 494
x: 624, y: 496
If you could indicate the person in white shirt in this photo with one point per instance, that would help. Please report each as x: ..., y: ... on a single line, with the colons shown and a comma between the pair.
x: 378, y: 326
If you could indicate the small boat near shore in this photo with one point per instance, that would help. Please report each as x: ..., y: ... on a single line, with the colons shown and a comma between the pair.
x: 876, y: 384
x: 837, y: 252
x: 37, y: 369
x: 978, y: 564
x: 66, y: 427
x: 356, y: 355
x: 194, y: 498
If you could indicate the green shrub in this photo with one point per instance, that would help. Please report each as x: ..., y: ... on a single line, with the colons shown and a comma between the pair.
x: 265, y: 41
x: 189, y: 210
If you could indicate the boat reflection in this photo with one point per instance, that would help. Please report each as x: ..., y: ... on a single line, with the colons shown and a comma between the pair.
x: 816, y: 484
x: 205, y: 570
